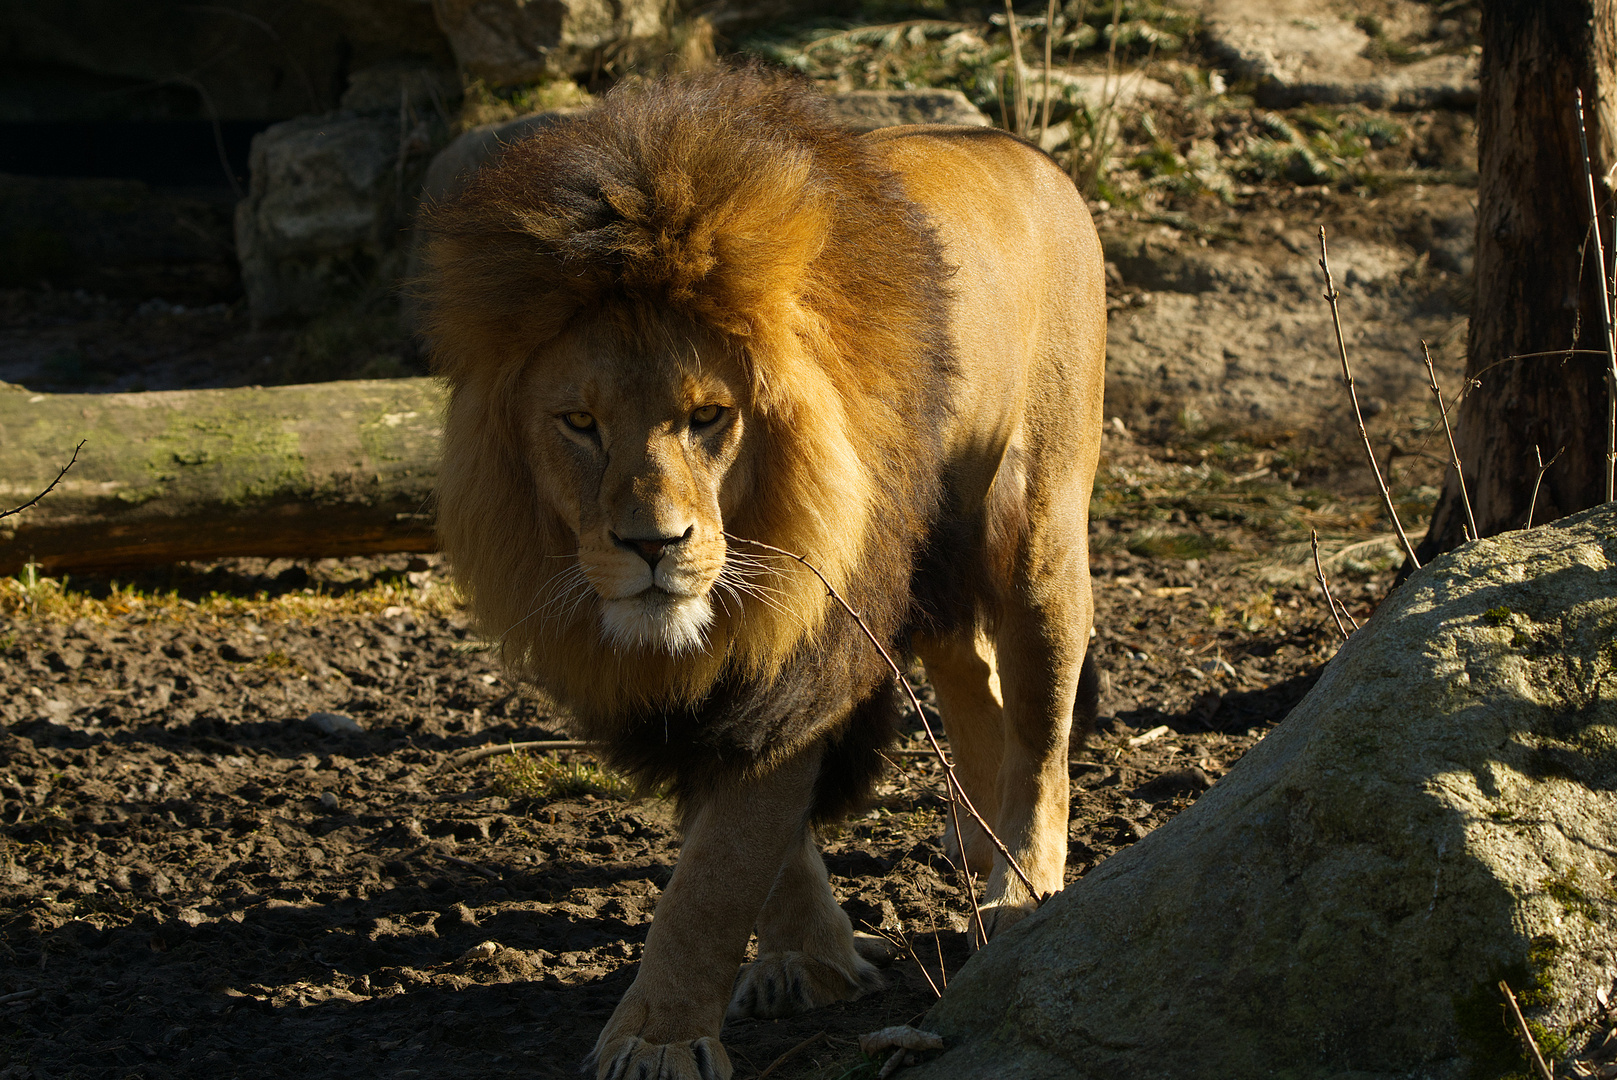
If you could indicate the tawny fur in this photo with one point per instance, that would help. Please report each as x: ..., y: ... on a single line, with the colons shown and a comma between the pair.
x: 906, y: 332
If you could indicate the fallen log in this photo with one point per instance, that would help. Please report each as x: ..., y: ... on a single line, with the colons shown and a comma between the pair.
x: 342, y: 468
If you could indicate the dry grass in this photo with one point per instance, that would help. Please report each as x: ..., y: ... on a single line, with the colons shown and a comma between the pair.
x: 521, y: 776
x: 40, y: 599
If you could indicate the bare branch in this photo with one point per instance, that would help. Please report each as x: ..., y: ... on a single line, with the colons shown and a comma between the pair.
x: 1454, y: 451
x: 1526, y: 1033
x: 1543, y: 467
x: 48, y: 487
x: 1319, y: 573
x: 1605, y: 310
x: 1331, y: 297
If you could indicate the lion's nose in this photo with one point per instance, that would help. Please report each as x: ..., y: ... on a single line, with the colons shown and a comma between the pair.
x: 650, y: 548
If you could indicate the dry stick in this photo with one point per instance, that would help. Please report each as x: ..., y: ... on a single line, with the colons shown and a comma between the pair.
x: 1319, y: 572
x: 48, y: 487
x: 1526, y: 1033
x: 799, y: 1048
x: 466, y: 757
x: 958, y: 792
x: 1606, y: 314
x: 1331, y: 297
x: 1049, y: 45
x: 1454, y: 452
x: 1543, y: 467
x: 902, y: 942
x: 1016, y: 68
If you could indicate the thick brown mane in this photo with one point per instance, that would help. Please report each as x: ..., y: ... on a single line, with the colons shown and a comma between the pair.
x: 728, y: 205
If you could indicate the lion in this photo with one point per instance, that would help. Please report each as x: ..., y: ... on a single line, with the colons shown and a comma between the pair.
x: 701, y: 317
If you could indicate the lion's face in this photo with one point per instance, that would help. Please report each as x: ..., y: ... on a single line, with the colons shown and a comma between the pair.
x: 636, y: 450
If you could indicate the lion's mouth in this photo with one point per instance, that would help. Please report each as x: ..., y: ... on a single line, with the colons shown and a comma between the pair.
x: 658, y: 619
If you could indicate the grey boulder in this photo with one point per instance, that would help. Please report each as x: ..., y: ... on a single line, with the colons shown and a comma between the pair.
x: 1438, y: 815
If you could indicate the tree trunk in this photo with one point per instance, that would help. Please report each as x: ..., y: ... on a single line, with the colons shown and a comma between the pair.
x: 1536, y: 289
x: 343, y: 468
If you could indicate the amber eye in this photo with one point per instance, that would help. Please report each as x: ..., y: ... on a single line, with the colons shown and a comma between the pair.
x: 706, y: 415
x: 579, y: 421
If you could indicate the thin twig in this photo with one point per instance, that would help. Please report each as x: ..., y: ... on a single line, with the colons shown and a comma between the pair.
x: 1016, y: 69
x: 901, y: 941
x: 1049, y: 45
x: 1606, y: 315
x: 1454, y: 451
x: 799, y: 1048
x: 1526, y: 1033
x: 1543, y: 467
x: 466, y: 757
x: 1331, y: 297
x: 20, y: 995
x: 48, y: 487
x: 1319, y: 572
x: 958, y: 792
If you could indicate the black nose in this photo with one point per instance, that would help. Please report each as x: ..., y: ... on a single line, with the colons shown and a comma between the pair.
x: 651, y: 548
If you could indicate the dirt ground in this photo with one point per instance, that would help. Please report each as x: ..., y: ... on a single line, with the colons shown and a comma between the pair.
x: 198, y: 879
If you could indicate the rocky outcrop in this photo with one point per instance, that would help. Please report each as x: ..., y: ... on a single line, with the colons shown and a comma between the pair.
x: 331, y: 199
x: 1439, y: 814
x: 1300, y: 51
x: 504, y: 42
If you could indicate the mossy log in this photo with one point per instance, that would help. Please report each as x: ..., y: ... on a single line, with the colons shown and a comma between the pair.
x: 343, y: 468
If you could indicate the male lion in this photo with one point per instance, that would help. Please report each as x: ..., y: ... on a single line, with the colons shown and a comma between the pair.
x: 701, y: 314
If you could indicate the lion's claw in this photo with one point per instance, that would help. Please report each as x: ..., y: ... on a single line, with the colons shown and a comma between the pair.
x: 787, y: 983
x: 636, y: 1059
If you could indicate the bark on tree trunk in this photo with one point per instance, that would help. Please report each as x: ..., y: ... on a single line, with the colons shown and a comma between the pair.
x: 1536, y: 291
x: 343, y: 468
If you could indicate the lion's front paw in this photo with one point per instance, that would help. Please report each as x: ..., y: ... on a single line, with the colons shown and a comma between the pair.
x: 785, y: 983
x: 1000, y: 916
x: 633, y: 1058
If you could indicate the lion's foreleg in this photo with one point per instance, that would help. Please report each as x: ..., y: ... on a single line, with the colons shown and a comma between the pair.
x: 961, y: 669
x: 667, y: 1024
x: 806, y: 952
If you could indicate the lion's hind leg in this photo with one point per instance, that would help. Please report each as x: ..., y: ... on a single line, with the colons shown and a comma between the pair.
x: 807, y: 953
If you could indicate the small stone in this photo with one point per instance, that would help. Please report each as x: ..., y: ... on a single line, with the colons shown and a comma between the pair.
x: 481, y: 951
x: 331, y: 723
x: 328, y: 800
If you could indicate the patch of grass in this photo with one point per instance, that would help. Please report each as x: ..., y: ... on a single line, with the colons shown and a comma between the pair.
x: 33, y: 596
x: 521, y: 776
x: 483, y: 104
x: 1564, y: 890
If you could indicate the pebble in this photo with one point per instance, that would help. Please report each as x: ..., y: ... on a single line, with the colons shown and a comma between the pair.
x: 328, y: 800
x: 481, y: 951
x: 332, y: 723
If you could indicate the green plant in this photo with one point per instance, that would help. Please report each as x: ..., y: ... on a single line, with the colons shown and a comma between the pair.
x: 523, y: 776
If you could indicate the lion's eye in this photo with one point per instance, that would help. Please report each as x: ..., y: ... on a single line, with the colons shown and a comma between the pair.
x: 579, y: 421
x: 706, y: 415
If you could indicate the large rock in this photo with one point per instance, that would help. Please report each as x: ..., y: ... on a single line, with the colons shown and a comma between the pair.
x: 504, y: 42
x: 1440, y: 813
x: 1306, y: 51
x: 326, y: 215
